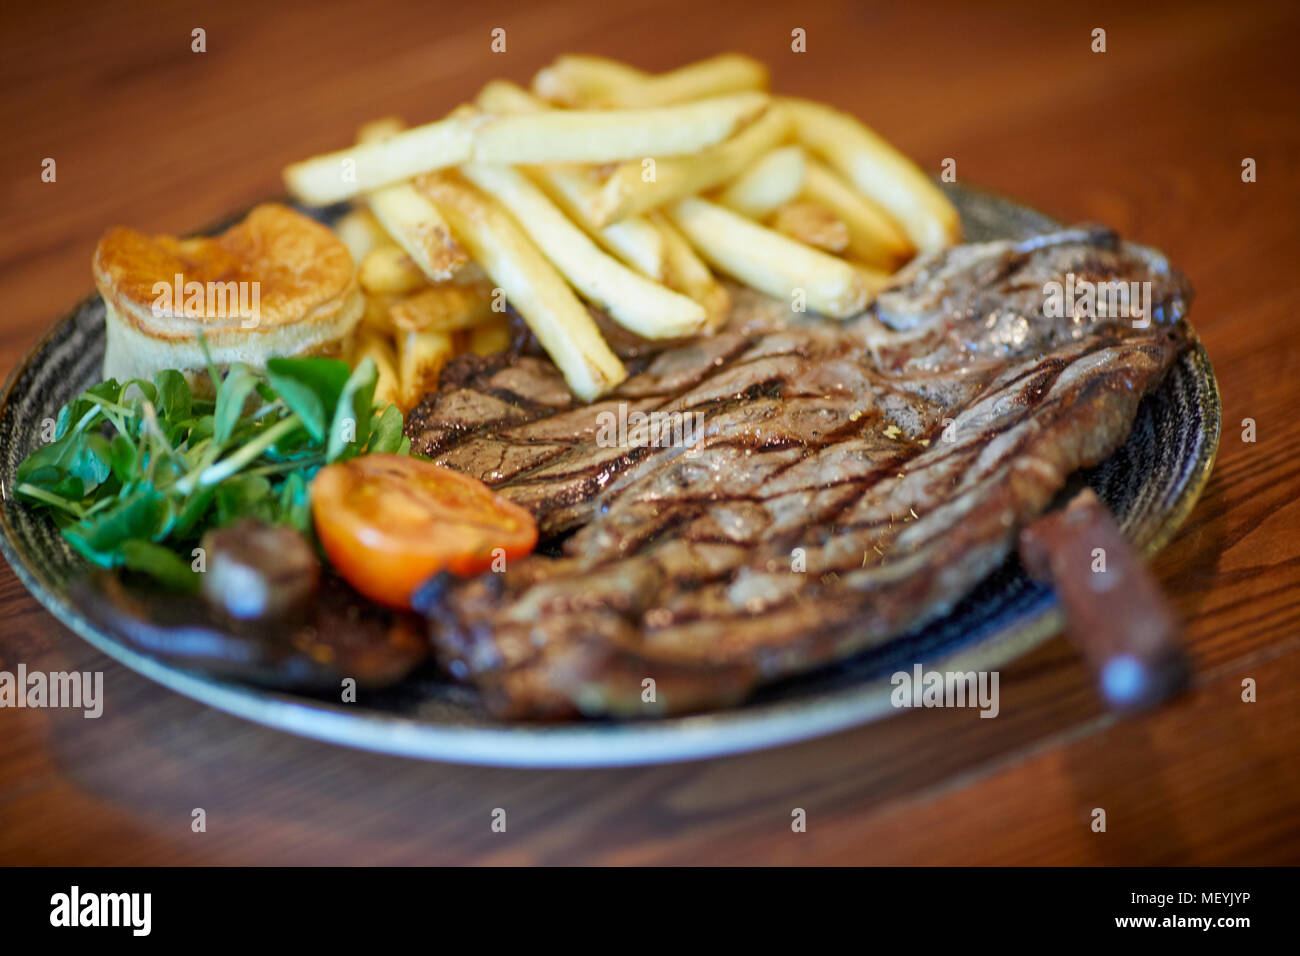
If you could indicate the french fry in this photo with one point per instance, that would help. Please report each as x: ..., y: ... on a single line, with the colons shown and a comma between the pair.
x: 632, y: 300
x: 349, y: 172
x: 471, y: 274
x: 419, y: 228
x: 410, y: 219
x: 377, y: 315
x: 879, y: 171
x: 444, y: 308
x: 586, y: 136
x: 769, y: 261
x: 874, y: 238
x: 605, y: 136
x: 575, y: 80
x: 688, y: 274
x: 587, y: 81
x: 873, y: 279
x: 513, y: 197
x: 360, y: 231
x: 627, y: 193
x: 728, y: 73
x: 504, y: 98
x: 377, y: 130
x: 811, y: 224
x: 633, y: 240
x: 769, y: 181
x: 388, y: 270
x: 491, y: 337
x: 561, y: 323
x: 638, y: 244
x: 421, y: 356
x: 377, y: 346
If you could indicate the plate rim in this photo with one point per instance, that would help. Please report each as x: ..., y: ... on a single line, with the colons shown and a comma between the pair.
x: 575, y: 744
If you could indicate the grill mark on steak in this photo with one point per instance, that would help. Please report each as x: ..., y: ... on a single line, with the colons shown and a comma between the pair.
x: 831, y: 439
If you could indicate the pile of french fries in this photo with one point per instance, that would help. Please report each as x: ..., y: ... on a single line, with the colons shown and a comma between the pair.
x: 621, y: 189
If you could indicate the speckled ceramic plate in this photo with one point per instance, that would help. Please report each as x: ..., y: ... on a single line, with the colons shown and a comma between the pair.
x: 1150, y: 484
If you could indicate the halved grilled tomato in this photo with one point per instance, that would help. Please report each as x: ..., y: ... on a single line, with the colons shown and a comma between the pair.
x: 389, y: 522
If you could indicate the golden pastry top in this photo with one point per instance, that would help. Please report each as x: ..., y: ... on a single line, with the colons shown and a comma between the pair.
x: 300, y: 269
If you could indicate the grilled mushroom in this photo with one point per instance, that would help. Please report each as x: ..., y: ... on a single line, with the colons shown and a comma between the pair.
x: 256, y: 571
x: 340, y: 635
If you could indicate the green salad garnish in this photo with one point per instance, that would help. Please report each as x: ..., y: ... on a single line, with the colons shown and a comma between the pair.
x: 138, y: 470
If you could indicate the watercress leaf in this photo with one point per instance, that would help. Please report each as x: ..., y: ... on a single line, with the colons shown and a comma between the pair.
x: 135, y: 421
x: 136, y: 515
x: 295, y: 503
x: 351, y: 424
x: 110, y: 390
x: 62, y: 519
x: 193, y: 511
x: 386, y: 432
x: 201, y: 429
x: 174, y: 397
x: 68, y: 487
x: 142, y: 491
x: 160, y: 563
x: 68, y: 416
x: 169, y: 470
x: 92, y: 462
x: 295, y: 443
x: 311, y: 387
x: 41, y: 475
x: 238, y: 385
x: 213, y: 375
x: 242, y: 496
x: 73, y: 533
x: 52, y: 484
x: 167, y: 515
x: 136, y: 394
x: 77, y: 416
x: 178, y: 432
x: 145, y: 390
x: 306, y: 403
x: 80, y: 453
x: 48, y: 463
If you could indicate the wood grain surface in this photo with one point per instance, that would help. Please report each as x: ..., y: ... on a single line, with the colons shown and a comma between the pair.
x: 1148, y: 137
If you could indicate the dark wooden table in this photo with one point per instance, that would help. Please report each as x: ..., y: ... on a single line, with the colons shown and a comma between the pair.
x: 1149, y: 137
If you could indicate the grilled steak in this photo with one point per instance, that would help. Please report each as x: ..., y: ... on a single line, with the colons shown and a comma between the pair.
x: 844, y: 482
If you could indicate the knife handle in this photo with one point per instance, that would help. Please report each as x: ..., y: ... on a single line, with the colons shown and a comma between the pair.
x: 1114, y: 611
